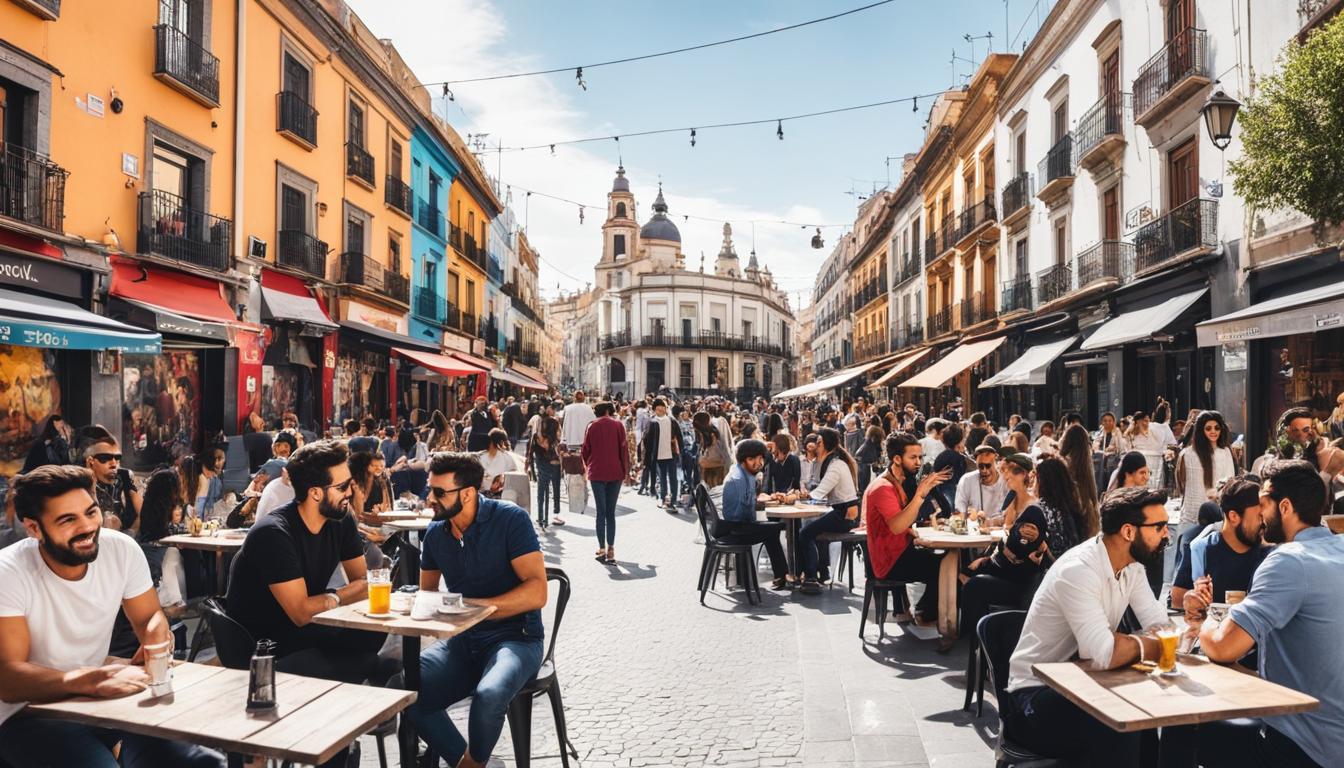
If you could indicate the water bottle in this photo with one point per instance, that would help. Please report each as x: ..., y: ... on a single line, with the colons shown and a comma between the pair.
x: 261, y: 678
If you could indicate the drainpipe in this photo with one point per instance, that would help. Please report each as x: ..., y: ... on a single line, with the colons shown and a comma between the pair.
x: 239, y: 134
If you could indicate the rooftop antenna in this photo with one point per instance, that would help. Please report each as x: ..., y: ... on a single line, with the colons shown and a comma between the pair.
x: 968, y: 37
x: 953, y: 62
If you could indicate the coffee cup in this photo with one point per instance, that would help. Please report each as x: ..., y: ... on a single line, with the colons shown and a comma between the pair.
x: 158, y: 665
x: 453, y: 600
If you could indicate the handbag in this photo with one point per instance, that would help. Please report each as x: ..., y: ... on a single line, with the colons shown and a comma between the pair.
x: 571, y: 464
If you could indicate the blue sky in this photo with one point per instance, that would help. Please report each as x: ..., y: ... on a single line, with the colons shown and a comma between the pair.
x: 734, y: 174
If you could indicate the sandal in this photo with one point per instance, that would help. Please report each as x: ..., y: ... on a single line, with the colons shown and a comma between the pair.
x: 611, y: 556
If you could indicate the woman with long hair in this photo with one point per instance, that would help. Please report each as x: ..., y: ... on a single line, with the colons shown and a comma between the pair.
x: 1076, y: 451
x: 1068, y: 520
x: 160, y: 516
x: 838, y: 487
x: 1132, y: 473
x: 1203, y: 464
x: 52, y: 445
x: 442, y: 437
x: 543, y: 454
x: 372, y: 492
x: 774, y: 424
x: 869, y: 455
x: 713, y: 455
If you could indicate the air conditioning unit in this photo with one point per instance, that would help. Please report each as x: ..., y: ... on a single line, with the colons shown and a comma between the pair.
x: 256, y: 248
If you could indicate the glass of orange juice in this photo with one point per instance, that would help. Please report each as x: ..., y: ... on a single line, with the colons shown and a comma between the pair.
x: 380, y: 591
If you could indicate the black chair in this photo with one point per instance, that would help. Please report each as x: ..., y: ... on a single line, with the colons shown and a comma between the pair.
x: 998, y: 634
x: 849, y: 546
x: 975, y: 661
x: 716, y: 550
x: 879, y: 589
x: 520, y: 709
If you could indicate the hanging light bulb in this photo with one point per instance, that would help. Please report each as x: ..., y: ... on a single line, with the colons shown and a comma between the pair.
x: 692, y: 137
x: 448, y: 93
x: 580, y: 214
x: 779, y: 129
x: 578, y: 75
x: 817, y: 242
x: 552, y: 150
x: 915, y: 108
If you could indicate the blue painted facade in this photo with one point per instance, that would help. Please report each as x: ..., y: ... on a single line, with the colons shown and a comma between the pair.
x: 432, y: 172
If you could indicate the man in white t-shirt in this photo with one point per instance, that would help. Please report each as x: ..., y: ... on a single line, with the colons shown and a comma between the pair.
x: 574, y: 422
x: 932, y: 441
x: 984, y: 489
x: 277, y: 494
x: 62, y: 589
x: 662, y: 448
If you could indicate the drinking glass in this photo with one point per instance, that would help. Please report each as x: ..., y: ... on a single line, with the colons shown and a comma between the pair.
x: 1168, y: 636
x: 158, y: 665
x: 380, y: 591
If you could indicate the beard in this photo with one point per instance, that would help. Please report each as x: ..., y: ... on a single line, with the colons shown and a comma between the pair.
x: 334, y: 511
x: 65, y: 554
x: 1142, y: 554
x: 1250, y: 539
x: 1274, y: 532
x: 443, y: 513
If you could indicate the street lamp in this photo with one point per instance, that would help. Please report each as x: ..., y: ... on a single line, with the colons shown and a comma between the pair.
x: 1220, y: 112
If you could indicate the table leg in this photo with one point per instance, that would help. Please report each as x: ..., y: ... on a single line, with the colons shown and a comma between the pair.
x: 410, y: 663
x: 219, y: 572
x: 791, y: 551
x: 947, y: 593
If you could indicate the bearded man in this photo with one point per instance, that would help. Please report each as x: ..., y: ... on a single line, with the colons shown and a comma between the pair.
x: 486, y: 550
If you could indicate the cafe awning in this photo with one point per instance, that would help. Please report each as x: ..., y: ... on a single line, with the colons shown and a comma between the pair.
x: 1317, y: 309
x: 169, y: 302
x: 953, y: 363
x: 901, y: 365
x: 36, y: 321
x: 1031, y: 368
x: 385, y: 336
x: 440, y: 364
x: 287, y: 299
x: 514, y: 377
x: 832, y: 381
x: 1140, y: 324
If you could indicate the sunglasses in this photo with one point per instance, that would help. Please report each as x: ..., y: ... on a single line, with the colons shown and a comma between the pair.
x: 343, y: 486
x: 1160, y: 525
x: 983, y: 467
x: 439, y: 493
x: 105, y: 458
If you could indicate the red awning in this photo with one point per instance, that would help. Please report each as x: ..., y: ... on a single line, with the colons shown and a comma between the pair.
x: 480, y: 362
x: 17, y: 241
x: 177, y: 292
x: 448, y: 366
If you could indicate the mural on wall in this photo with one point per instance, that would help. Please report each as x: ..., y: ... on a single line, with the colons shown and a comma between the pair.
x: 279, y: 392
x: 29, y: 392
x: 161, y: 408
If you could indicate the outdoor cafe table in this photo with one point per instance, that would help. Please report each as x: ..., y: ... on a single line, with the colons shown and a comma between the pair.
x: 313, y: 719
x: 218, y: 544
x: 410, y: 554
x: 793, y: 516
x: 352, y: 616
x: 953, y: 543
x: 1129, y: 700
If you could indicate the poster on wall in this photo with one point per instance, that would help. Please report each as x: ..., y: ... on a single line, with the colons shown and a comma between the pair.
x: 161, y: 408
x: 29, y: 392
x: 279, y: 392
x: 354, y: 386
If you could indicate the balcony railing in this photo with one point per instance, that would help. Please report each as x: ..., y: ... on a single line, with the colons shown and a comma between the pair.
x: 974, y: 217
x: 615, y: 340
x: 931, y: 251
x: 358, y: 269
x: 358, y: 163
x: 1105, y: 119
x: 1184, y: 56
x: 296, y: 117
x: 976, y: 309
x: 428, y: 305
x: 300, y: 250
x: 523, y: 353
x: 870, y: 346
x: 1016, y: 294
x: 468, y: 324
x: 910, y: 268
x: 168, y: 227
x: 1016, y: 194
x: 429, y: 217
x: 940, y: 322
x: 494, y: 270
x: 489, y: 332
x: 186, y: 64
x: 47, y: 9
x: 520, y: 304
x: 1109, y: 259
x: 1053, y: 282
x: 870, y: 292
x: 1058, y: 162
x: 703, y: 340
x: 397, y: 194
x: 32, y: 188
x: 948, y: 233
x: 1192, y: 225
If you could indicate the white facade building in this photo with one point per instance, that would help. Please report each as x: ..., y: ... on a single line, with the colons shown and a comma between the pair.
x: 832, y: 322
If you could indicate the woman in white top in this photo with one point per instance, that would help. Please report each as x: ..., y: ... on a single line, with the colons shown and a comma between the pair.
x: 1142, y: 438
x: 1203, y: 464
x: 810, y: 466
x: 838, y: 486
x: 496, y: 460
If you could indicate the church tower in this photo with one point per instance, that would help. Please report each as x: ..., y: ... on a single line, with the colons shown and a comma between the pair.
x: 727, y: 263
x: 620, y: 232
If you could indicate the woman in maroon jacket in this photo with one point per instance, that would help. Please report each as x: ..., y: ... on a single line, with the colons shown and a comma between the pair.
x: 608, y: 462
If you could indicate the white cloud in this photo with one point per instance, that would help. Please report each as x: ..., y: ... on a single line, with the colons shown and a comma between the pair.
x: 455, y: 38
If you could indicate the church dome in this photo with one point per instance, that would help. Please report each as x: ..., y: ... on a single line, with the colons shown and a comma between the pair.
x: 660, y: 227
x: 621, y: 184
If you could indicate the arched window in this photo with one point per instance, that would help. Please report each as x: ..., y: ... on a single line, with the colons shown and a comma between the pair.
x: 616, y: 371
x: 620, y: 210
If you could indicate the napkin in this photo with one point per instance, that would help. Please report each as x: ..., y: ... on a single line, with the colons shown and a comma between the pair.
x: 426, y: 605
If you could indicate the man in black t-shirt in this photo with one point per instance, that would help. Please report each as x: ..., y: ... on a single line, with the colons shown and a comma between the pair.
x: 114, y: 486
x: 280, y: 576
x: 1229, y: 553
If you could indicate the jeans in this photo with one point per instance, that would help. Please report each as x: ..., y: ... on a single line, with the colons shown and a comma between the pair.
x: 1230, y: 743
x: 690, y: 473
x: 919, y: 565
x: 648, y: 481
x: 667, y: 478
x: 35, y: 742
x: 983, y: 591
x: 816, y: 558
x: 605, y: 493
x: 1052, y: 726
x: 489, y: 670
x: 742, y: 532
x: 548, y: 487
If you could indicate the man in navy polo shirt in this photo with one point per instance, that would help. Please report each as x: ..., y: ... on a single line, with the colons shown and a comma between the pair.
x: 486, y: 550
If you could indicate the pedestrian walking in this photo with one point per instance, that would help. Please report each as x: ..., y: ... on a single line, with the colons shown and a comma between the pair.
x: 608, y: 463
x: 543, y: 455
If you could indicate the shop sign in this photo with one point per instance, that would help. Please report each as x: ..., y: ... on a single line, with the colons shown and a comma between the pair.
x: 377, y: 318
x: 1331, y: 320
x: 1240, y: 334
x: 456, y: 342
x: 329, y: 359
x: 45, y: 276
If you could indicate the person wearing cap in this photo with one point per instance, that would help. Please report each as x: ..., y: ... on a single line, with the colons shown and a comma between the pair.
x: 984, y: 489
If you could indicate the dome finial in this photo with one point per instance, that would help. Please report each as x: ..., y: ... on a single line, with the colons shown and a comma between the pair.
x: 659, y: 204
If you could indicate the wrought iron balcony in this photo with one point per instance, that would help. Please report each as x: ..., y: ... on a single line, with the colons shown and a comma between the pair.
x: 948, y: 233
x: 1173, y: 73
x: 358, y: 269
x: 429, y: 217
x: 1190, y: 227
x: 170, y: 228
x: 187, y: 66
x: 468, y: 325
x: 1016, y: 294
x: 1053, y: 282
x: 870, y: 346
x: 296, y: 118
x: 397, y: 194
x: 974, y: 218
x: 453, y: 317
x: 46, y: 9
x: 870, y: 292
x: 428, y: 305
x: 1016, y: 196
x: 1107, y: 260
x: 615, y: 340
x: 976, y: 309
x: 358, y: 163
x: 931, y: 251
x: 1101, y: 128
x: 520, y: 304
x: 1056, y: 170
x: 32, y: 188
x: 300, y: 250
x: 940, y: 322
x: 910, y: 267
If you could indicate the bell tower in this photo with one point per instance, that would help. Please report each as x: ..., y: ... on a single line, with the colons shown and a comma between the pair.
x: 620, y: 232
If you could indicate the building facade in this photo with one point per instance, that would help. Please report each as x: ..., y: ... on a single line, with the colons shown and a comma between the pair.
x: 832, y: 325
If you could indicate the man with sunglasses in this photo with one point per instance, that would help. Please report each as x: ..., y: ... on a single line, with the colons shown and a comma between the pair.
x: 985, y: 488
x: 487, y: 551
x: 1075, y: 614
x: 117, y: 494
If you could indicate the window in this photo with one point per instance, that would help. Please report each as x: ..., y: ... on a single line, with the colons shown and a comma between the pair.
x: 656, y: 377
x: 749, y: 374
x: 297, y: 77
x: 1110, y: 213
x: 1061, y: 241
x: 1020, y: 258
x: 354, y: 232
x: 434, y: 184
x: 393, y: 254
x: 746, y: 329
x: 185, y: 16
x: 1020, y: 153
x: 394, y: 159
x: 1060, y: 121
x: 452, y: 288
x: 430, y: 274
x: 618, y: 245
x: 471, y: 297
x: 171, y: 172
x: 355, y: 124
x: 1182, y: 174
x: 293, y: 209
x: 684, y: 374
x: 620, y: 210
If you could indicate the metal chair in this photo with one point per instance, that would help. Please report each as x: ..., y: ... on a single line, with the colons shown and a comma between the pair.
x: 520, y: 709
x: 879, y: 589
x: 849, y: 545
x: 998, y: 634
x: 716, y: 551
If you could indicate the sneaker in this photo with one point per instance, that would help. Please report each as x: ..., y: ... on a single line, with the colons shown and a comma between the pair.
x: 810, y: 587
x: 557, y: 520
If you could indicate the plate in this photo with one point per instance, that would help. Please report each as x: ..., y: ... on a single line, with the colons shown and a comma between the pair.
x: 456, y: 611
x: 377, y: 615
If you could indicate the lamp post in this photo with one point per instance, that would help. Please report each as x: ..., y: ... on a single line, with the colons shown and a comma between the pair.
x: 1220, y: 112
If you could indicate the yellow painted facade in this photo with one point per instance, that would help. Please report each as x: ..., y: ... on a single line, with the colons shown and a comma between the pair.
x: 471, y: 206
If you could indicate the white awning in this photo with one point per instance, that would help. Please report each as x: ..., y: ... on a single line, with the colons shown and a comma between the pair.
x: 1318, y: 309
x: 901, y: 365
x: 1141, y: 323
x: 832, y: 381
x: 1029, y: 369
x: 953, y: 363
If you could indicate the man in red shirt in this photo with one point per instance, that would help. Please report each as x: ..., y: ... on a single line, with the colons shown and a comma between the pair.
x: 607, y: 459
x: 890, y: 512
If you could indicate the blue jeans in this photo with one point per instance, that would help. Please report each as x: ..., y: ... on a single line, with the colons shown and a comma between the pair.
x: 548, y: 487
x: 816, y: 558
x: 667, y: 478
x: 690, y: 471
x: 605, y: 493
x: 476, y: 664
x: 35, y: 742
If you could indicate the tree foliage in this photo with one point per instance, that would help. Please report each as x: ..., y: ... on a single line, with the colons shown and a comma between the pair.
x: 1292, y: 131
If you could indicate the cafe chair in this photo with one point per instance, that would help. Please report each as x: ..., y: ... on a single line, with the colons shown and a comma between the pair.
x: 520, y: 709
x: 998, y: 634
x: 975, y: 659
x: 879, y: 590
x: 716, y: 551
x: 849, y: 545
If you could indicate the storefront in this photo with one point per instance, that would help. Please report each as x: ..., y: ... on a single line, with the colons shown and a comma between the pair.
x: 368, y: 376
x: 454, y: 380
x: 954, y: 376
x: 298, y: 365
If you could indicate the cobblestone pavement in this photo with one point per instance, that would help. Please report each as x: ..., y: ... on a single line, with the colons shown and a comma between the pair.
x: 652, y: 678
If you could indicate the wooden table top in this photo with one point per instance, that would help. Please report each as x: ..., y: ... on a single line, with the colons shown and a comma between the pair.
x: 396, y: 514
x: 212, y: 543
x: 1129, y: 700
x: 313, y: 718
x: 796, y: 511
x: 351, y: 616
x: 936, y: 539
x: 420, y: 524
